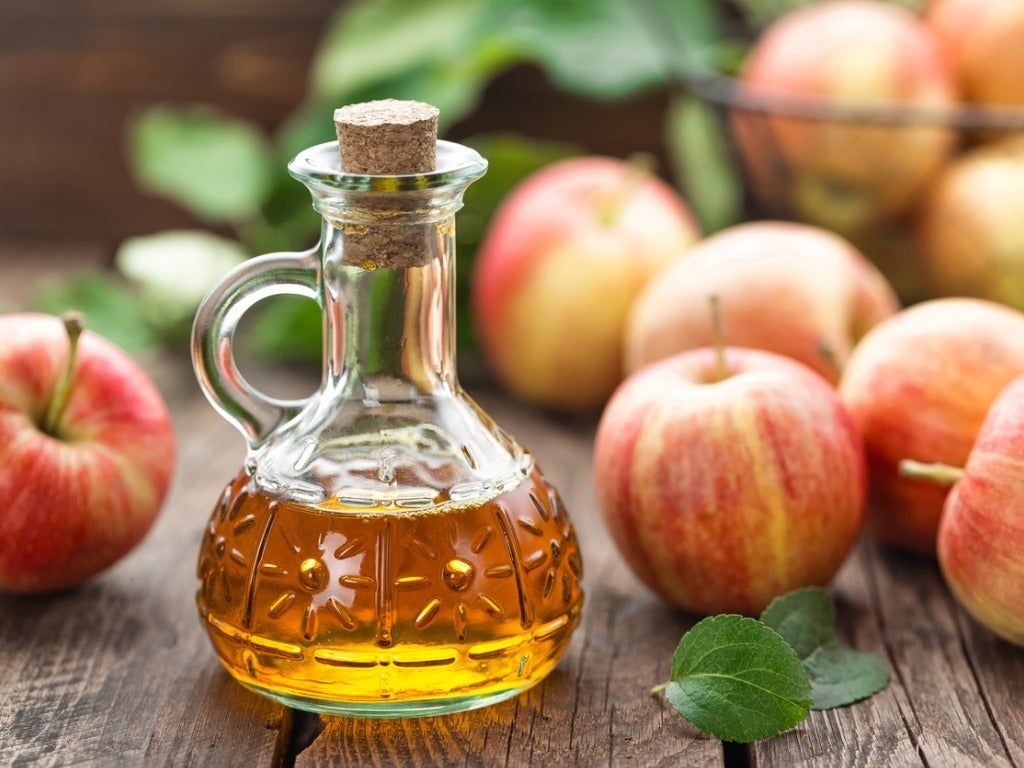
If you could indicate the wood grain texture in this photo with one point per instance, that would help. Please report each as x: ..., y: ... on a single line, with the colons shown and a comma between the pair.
x: 999, y: 669
x: 870, y: 734
x: 945, y: 708
x: 595, y: 708
x: 119, y: 672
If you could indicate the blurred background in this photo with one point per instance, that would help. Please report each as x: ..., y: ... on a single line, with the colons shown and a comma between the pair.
x: 152, y: 137
x: 75, y: 76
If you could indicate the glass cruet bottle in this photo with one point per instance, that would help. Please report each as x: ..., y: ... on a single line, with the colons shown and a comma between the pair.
x: 386, y: 550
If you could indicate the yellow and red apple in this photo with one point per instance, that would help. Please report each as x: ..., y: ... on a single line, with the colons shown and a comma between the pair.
x: 86, y: 453
x: 971, y: 228
x: 727, y: 482
x: 568, y: 252
x: 787, y: 288
x: 918, y: 387
x: 985, y: 41
x: 847, y: 175
x: 981, y: 538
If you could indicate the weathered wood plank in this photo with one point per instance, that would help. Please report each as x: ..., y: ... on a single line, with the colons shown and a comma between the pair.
x: 868, y: 734
x: 119, y: 672
x: 595, y: 708
x: 919, y: 619
x: 999, y: 670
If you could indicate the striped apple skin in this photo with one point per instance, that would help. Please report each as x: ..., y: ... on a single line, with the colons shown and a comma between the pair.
x: 792, y: 289
x: 724, y: 495
x: 559, y: 269
x: 74, y: 503
x: 981, y: 538
x: 918, y: 387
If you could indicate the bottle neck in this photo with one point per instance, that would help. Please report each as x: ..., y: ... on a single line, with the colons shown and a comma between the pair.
x: 390, y: 332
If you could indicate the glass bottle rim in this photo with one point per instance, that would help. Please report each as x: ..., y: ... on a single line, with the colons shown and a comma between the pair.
x: 320, y: 166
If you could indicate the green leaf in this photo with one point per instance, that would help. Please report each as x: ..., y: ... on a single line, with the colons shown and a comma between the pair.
x: 453, y: 86
x: 839, y: 675
x: 805, y: 618
x: 704, y: 168
x: 217, y: 167
x: 376, y: 40
x: 174, y: 270
x: 609, y: 49
x: 111, y: 309
x: 738, y: 680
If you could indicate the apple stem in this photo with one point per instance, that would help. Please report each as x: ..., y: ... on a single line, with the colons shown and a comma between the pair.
x: 658, y: 689
x: 718, y: 337
x: 638, y: 167
x: 74, y: 324
x: 826, y: 351
x: 940, y: 474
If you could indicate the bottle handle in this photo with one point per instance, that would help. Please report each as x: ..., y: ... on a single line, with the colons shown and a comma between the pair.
x: 252, y: 412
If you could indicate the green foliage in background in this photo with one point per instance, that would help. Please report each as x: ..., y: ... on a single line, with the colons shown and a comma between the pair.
x: 112, y: 308
x: 231, y: 174
x: 760, y: 13
x: 217, y: 167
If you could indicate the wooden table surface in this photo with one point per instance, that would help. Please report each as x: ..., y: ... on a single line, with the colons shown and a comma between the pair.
x: 120, y: 673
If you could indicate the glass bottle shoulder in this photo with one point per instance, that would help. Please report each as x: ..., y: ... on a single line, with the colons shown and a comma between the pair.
x: 351, y: 451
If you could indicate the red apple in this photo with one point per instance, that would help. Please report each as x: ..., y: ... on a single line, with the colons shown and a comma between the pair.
x: 567, y: 253
x: 792, y: 289
x: 981, y: 538
x: 985, y: 41
x: 725, y: 489
x: 847, y: 176
x: 86, y: 453
x: 918, y: 386
x: 971, y: 228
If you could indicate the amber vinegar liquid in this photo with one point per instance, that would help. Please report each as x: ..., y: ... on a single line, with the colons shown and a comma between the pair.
x: 352, y: 608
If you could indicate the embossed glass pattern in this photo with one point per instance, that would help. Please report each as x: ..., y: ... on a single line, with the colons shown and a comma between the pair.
x: 386, y: 550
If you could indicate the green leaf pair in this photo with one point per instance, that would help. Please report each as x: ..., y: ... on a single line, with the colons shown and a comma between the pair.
x: 742, y: 679
x: 838, y: 675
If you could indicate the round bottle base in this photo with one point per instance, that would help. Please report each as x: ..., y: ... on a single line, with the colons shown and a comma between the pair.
x: 390, y: 709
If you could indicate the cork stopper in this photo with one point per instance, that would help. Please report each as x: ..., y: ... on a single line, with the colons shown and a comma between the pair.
x: 388, y: 138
